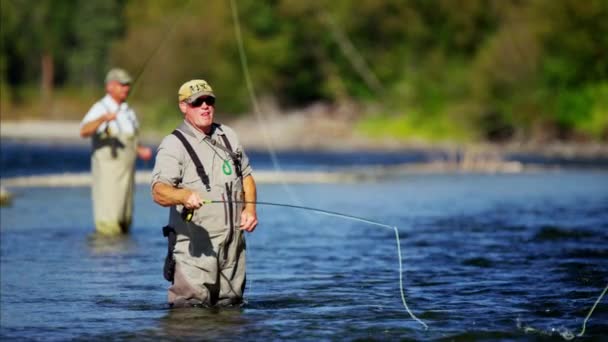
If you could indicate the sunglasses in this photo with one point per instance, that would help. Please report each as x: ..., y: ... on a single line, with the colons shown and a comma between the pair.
x: 209, y: 100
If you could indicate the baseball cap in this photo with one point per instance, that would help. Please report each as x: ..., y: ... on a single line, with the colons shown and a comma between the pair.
x: 118, y: 75
x: 194, y: 89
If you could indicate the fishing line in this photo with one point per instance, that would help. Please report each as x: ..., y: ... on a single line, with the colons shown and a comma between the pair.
x: 360, y: 66
x: 563, y: 332
x: 258, y: 114
x: 350, y: 52
x: 348, y: 217
x: 277, y: 167
x: 256, y: 108
x: 591, y: 311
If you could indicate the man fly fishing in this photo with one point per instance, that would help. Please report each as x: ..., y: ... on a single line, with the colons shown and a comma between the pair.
x: 114, y: 128
x: 202, y: 160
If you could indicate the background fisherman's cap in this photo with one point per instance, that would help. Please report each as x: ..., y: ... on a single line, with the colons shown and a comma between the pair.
x: 118, y: 75
x: 194, y: 89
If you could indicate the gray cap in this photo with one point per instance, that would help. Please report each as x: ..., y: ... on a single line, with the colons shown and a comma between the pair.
x: 118, y: 75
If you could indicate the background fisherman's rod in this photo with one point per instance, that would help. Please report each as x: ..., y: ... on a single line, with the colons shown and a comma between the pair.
x: 166, y: 36
x: 189, y: 213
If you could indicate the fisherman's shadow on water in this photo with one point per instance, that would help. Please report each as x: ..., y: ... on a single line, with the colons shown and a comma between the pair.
x: 213, y: 323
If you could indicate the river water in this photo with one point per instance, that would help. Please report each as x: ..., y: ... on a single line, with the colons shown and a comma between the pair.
x: 485, y: 257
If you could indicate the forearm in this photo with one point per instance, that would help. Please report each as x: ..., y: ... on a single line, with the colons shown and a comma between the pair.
x: 91, y: 127
x: 167, y: 195
x: 250, y: 192
x: 144, y: 152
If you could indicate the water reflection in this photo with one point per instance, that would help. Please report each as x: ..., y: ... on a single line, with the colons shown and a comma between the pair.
x: 105, y: 245
x: 478, y: 252
x: 212, y: 323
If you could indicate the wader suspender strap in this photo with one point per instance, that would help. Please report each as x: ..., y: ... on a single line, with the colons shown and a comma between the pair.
x: 113, y: 144
x: 234, y: 156
x: 200, y: 169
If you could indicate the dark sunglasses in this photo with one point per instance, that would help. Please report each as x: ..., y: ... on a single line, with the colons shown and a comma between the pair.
x: 209, y: 100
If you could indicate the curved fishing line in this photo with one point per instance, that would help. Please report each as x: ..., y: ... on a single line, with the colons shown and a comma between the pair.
x: 276, y: 164
x: 591, y: 311
x: 361, y: 67
x: 349, y: 50
x: 516, y: 54
x: 348, y: 217
x: 256, y: 108
x: 562, y: 331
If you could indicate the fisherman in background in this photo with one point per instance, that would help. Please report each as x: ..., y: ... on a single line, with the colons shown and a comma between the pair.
x: 113, y: 126
x: 204, y: 160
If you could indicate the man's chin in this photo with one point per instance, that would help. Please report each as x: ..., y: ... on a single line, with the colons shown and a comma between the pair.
x: 207, y: 121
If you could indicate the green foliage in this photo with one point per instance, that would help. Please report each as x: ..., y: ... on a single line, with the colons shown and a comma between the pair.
x: 584, y: 109
x: 159, y: 116
x: 439, y: 69
x: 97, y: 22
x: 75, y: 34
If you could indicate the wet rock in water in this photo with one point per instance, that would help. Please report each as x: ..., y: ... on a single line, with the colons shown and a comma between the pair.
x: 5, y: 197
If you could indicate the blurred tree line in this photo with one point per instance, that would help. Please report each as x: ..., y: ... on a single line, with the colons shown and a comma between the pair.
x: 493, y: 70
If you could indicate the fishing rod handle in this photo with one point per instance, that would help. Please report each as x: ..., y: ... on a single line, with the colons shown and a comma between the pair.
x: 188, y: 214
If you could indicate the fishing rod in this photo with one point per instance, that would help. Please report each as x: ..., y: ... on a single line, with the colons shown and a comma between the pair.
x: 189, y: 213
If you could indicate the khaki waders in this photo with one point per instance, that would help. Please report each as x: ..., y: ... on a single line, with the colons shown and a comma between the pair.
x: 209, y: 252
x: 113, y: 170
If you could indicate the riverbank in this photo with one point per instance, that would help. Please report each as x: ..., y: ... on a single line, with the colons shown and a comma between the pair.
x: 313, y: 131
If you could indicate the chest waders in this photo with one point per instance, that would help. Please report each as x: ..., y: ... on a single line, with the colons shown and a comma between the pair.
x: 113, y: 170
x: 187, y: 215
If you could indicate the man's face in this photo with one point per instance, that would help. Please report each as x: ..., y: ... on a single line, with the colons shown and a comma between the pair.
x: 118, y: 91
x: 199, y: 113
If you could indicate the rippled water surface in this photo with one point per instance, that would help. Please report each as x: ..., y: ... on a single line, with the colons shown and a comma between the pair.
x: 484, y: 256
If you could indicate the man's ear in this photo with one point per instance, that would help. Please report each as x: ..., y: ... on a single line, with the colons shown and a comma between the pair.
x: 182, y: 107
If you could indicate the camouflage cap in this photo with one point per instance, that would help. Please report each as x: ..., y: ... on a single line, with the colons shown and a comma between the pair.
x: 194, y: 89
x: 119, y: 75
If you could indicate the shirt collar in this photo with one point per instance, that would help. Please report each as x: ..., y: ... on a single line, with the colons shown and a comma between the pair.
x: 110, y: 102
x: 187, y: 128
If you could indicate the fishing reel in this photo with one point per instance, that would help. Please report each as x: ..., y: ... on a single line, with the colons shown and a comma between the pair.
x: 187, y: 215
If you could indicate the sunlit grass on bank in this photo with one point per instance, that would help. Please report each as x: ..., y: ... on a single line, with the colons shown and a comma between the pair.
x: 415, y: 127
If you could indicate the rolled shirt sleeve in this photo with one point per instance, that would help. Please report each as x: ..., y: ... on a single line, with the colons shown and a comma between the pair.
x: 126, y: 120
x: 96, y: 111
x: 168, y: 167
